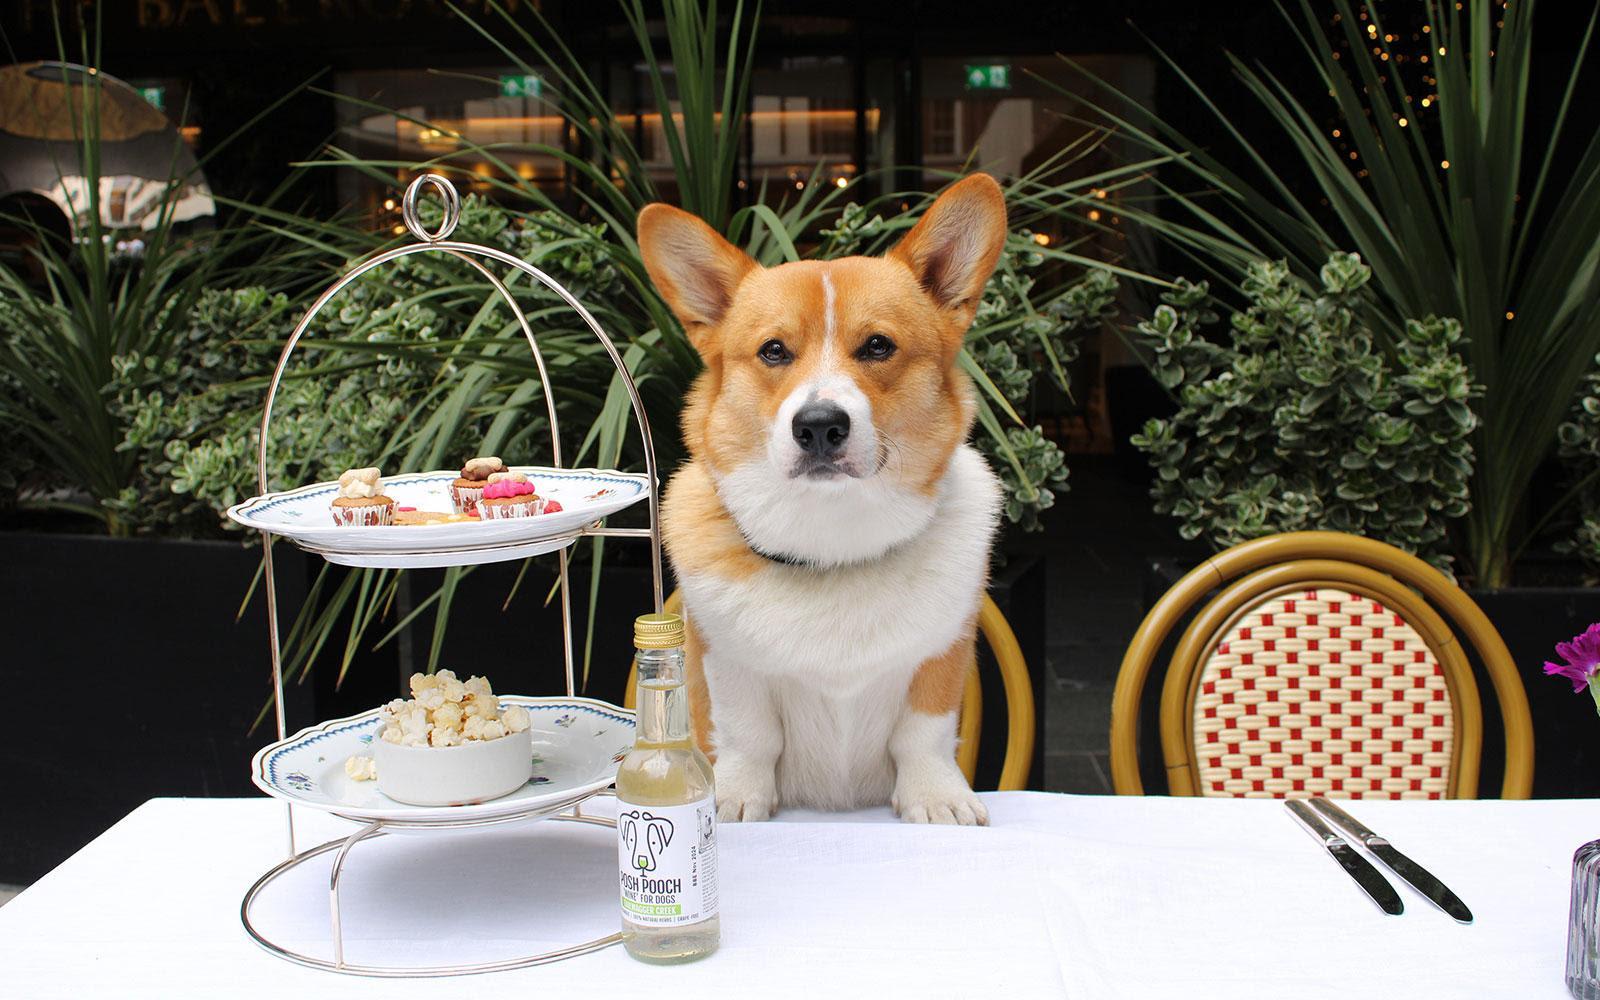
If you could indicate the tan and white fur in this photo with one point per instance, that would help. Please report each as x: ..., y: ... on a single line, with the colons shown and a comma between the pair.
x: 831, y: 530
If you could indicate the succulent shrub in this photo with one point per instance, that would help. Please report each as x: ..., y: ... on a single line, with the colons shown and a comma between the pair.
x: 1295, y: 420
x: 1579, y: 449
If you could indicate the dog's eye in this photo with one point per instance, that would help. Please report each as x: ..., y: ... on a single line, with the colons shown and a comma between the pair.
x: 774, y: 353
x: 876, y: 348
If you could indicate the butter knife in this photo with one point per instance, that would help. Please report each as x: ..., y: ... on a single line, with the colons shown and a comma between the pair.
x: 1421, y: 880
x: 1356, y: 866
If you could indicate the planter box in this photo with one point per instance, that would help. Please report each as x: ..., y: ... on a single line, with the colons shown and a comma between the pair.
x: 1531, y: 620
x: 1566, y: 733
x: 139, y: 681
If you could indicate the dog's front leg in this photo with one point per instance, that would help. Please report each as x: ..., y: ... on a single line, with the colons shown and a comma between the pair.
x: 928, y: 786
x: 747, y: 733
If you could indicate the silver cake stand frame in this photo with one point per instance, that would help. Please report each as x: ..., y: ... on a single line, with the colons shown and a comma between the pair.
x: 473, y: 254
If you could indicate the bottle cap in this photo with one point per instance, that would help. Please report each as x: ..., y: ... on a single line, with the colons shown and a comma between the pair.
x: 661, y: 631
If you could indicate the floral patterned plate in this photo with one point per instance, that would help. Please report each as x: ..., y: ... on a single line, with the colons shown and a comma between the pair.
x: 301, y: 515
x: 577, y: 744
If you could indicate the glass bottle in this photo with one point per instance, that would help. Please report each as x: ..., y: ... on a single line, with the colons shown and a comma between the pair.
x: 1583, y: 924
x: 666, y: 812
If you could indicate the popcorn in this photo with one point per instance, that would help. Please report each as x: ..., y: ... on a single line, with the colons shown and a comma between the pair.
x: 445, y: 711
x: 441, y: 737
x: 515, y: 718
x: 431, y: 698
x: 361, y: 768
x: 479, y: 728
x: 448, y: 716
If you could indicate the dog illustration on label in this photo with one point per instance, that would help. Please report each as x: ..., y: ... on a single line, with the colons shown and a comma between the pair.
x: 708, y: 827
x: 644, y: 850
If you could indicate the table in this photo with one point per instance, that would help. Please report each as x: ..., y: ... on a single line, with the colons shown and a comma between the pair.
x: 1063, y: 896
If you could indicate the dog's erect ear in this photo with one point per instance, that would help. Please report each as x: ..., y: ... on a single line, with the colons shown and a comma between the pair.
x: 694, y: 268
x: 954, y: 247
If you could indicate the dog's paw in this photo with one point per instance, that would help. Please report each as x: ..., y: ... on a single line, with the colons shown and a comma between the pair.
x: 941, y: 800
x: 743, y: 796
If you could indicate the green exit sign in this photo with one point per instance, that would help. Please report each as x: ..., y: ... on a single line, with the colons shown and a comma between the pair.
x: 156, y: 96
x: 994, y: 76
x: 524, y: 85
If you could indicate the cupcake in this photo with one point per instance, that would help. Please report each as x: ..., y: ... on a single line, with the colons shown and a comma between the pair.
x: 361, y: 500
x: 508, y: 494
x: 467, y: 490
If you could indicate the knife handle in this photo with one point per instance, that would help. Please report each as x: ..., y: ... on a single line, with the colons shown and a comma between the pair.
x: 1314, y: 824
x: 1347, y: 822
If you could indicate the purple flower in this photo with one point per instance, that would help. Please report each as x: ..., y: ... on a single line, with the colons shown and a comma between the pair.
x: 1583, y: 659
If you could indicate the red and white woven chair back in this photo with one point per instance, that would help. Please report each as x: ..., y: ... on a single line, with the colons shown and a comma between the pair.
x: 1322, y: 692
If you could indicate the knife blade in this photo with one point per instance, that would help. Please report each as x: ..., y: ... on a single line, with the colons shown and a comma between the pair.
x: 1435, y: 891
x: 1356, y: 866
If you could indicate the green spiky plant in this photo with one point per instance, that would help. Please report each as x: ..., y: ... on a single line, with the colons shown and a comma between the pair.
x: 1465, y: 217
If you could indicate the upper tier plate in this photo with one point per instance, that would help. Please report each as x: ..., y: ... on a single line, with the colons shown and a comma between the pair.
x: 301, y: 515
x: 577, y: 744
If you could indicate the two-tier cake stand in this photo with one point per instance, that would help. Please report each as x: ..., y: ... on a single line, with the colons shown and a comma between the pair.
x: 590, y: 496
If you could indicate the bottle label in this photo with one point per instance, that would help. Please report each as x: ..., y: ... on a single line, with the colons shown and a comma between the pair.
x: 667, y: 862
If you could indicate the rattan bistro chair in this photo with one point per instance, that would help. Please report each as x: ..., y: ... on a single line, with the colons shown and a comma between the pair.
x: 1320, y: 667
x: 1020, y: 721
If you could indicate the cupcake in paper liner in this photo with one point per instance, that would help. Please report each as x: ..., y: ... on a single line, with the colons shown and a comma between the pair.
x: 467, y: 490
x: 509, y: 494
x: 361, y: 502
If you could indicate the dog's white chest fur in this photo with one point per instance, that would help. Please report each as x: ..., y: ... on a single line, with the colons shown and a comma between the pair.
x: 829, y: 654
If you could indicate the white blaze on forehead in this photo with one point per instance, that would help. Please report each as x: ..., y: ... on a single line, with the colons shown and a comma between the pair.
x: 829, y: 324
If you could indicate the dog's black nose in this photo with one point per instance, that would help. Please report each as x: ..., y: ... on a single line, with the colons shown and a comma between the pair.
x: 821, y: 429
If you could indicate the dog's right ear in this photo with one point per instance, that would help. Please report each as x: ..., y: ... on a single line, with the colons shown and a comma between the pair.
x: 693, y: 267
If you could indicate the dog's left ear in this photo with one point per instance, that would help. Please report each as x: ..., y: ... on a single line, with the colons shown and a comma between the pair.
x: 954, y: 247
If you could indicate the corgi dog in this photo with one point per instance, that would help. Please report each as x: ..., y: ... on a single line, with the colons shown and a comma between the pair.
x: 831, y: 530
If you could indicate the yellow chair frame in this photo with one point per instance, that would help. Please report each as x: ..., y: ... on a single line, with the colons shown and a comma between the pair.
x: 1269, y: 566
x: 1020, y: 716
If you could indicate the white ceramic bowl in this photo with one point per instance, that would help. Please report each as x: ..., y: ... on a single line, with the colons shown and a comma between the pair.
x: 473, y: 772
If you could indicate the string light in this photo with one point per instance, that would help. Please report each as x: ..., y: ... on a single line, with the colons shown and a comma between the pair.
x: 1510, y: 314
x: 1094, y: 215
x: 1041, y: 239
x: 1444, y: 164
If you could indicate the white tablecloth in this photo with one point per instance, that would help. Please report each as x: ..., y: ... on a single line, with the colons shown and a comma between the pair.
x: 1063, y: 896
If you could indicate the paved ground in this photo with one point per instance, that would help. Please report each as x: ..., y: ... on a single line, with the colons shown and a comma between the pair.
x: 1098, y: 538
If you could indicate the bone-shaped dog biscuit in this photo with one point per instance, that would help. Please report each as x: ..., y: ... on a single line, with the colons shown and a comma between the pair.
x: 359, y: 484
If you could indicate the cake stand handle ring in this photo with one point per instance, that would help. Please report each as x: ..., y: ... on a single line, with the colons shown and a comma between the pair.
x: 452, y: 208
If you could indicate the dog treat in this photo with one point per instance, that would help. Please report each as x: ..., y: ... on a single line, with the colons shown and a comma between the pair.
x: 420, y: 517
x: 361, y: 501
x: 445, y: 711
x: 509, y: 497
x: 467, y: 490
